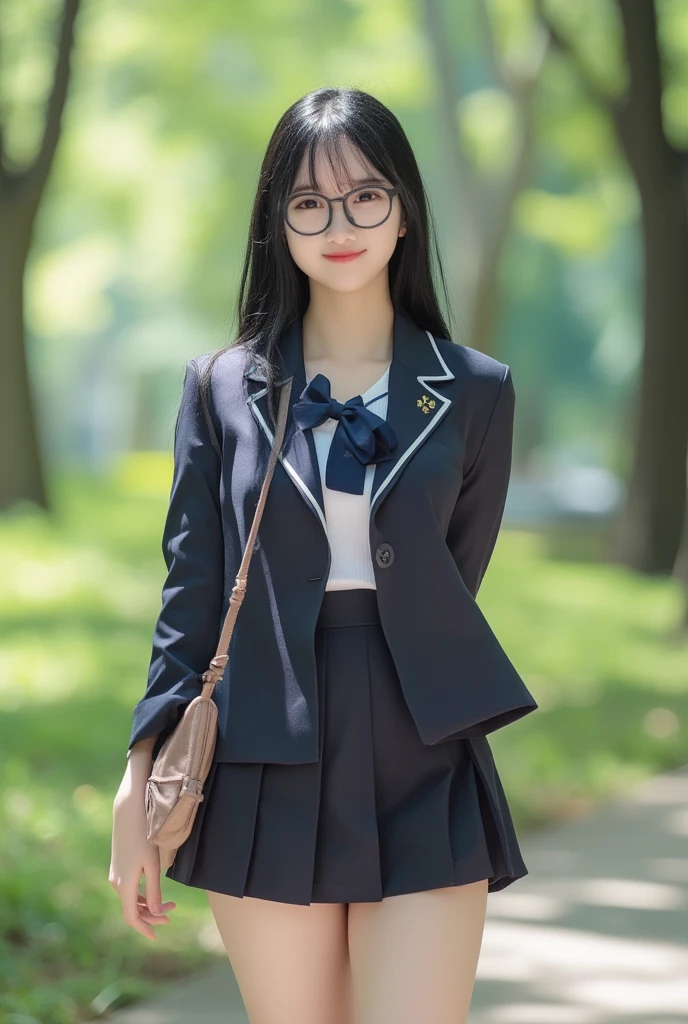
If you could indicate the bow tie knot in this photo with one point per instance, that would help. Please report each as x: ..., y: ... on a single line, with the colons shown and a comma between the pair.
x: 361, y: 437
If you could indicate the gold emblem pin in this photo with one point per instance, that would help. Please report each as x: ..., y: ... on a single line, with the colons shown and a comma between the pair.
x: 426, y: 403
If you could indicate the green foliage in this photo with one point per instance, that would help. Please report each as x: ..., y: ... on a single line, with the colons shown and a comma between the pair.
x: 600, y: 648
x: 78, y: 597
x: 134, y: 265
x: 576, y: 223
x: 139, y: 243
x: 488, y: 126
x: 79, y: 592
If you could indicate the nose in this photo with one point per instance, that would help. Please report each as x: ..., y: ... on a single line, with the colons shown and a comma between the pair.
x: 341, y: 227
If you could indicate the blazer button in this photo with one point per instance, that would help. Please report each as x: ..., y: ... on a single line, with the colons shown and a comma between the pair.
x: 384, y: 556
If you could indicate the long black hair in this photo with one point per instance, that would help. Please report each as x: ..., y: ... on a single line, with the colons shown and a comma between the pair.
x: 274, y: 291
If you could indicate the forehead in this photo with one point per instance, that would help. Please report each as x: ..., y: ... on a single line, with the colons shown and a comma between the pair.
x: 336, y: 167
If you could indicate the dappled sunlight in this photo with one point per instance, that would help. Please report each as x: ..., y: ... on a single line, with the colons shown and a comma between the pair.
x: 79, y: 594
x: 571, y: 975
x: 593, y: 622
x: 577, y: 941
x: 132, y: 141
x: 72, y: 580
x: 43, y: 672
x: 144, y: 473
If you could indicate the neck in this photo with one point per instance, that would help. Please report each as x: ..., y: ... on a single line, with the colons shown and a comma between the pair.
x: 348, y: 327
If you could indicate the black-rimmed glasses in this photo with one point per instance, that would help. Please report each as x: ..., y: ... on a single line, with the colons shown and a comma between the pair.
x: 310, y: 213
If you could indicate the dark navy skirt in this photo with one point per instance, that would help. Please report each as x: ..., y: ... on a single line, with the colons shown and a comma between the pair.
x: 379, y: 814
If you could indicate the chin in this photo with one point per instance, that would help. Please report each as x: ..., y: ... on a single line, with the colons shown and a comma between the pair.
x: 346, y: 286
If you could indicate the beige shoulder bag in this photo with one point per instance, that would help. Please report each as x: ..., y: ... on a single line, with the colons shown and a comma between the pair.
x: 174, y: 789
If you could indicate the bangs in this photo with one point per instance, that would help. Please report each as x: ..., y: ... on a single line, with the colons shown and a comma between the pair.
x: 332, y: 145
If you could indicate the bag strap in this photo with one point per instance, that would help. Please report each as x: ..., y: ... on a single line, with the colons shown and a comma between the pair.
x: 213, y: 673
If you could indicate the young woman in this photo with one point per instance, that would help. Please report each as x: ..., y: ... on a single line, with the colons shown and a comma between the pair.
x: 353, y: 820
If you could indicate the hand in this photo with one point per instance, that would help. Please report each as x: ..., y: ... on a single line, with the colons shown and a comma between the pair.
x: 132, y: 857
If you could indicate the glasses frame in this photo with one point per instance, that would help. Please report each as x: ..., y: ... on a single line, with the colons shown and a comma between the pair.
x: 391, y: 192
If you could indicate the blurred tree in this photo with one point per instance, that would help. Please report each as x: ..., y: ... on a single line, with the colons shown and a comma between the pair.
x: 652, y: 524
x: 488, y: 178
x: 22, y: 188
x: 139, y: 244
x: 139, y: 252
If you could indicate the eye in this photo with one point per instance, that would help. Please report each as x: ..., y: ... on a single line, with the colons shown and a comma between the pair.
x: 308, y: 199
x: 368, y: 196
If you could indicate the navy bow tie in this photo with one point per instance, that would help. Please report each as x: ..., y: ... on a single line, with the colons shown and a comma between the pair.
x: 361, y: 436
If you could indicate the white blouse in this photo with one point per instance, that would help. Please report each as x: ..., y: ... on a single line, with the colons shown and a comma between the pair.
x: 347, y: 515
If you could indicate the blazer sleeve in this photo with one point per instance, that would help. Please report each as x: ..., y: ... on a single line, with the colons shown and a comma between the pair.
x: 188, y: 626
x: 477, y: 516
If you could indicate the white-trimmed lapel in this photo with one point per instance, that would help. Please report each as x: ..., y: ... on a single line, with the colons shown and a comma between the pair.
x: 298, y: 454
x: 414, y: 409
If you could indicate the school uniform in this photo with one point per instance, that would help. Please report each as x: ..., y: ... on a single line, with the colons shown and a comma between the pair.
x: 352, y: 759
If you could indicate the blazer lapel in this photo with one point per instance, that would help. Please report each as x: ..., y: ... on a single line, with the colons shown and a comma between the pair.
x: 414, y: 408
x: 298, y: 455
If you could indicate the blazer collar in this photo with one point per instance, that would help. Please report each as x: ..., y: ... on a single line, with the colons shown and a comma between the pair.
x: 414, y: 407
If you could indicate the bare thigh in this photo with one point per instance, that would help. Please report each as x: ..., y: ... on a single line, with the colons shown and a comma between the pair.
x: 414, y: 957
x: 291, y: 962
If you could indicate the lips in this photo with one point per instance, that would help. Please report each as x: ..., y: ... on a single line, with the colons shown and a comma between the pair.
x: 343, y: 257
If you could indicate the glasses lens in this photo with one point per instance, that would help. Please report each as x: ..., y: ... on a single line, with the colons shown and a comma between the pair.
x: 307, y: 213
x: 369, y: 206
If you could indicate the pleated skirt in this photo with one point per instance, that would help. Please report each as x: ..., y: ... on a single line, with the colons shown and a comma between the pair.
x: 379, y: 814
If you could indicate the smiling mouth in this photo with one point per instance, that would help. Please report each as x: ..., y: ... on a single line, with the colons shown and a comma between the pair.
x: 343, y: 255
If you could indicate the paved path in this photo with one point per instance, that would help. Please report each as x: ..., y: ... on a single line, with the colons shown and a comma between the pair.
x: 596, y: 933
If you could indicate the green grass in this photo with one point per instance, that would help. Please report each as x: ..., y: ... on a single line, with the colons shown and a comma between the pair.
x: 600, y: 649
x: 79, y: 593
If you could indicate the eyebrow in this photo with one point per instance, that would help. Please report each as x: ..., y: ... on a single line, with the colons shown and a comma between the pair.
x: 310, y: 187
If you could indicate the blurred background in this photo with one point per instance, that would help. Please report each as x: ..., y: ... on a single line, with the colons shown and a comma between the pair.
x: 553, y: 139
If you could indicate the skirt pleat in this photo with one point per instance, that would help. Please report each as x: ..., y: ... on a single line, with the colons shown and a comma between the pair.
x: 379, y: 814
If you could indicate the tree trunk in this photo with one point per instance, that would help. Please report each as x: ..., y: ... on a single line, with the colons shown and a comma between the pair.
x: 21, y: 191
x: 486, y: 294
x: 651, y: 527
x: 650, y: 531
x: 22, y: 470
x: 482, y: 214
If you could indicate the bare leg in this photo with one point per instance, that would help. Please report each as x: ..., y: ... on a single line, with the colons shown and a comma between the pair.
x: 414, y: 957
x: 291, y: 962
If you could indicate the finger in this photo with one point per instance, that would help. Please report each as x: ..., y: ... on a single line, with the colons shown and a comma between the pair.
x: 170, y: 905
x: 146, y: 914
x: 130, y: 908
x: 151, y: 870
x: 164, y: 907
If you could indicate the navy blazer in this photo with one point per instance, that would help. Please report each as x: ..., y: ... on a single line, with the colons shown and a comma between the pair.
x: 435, y: 512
